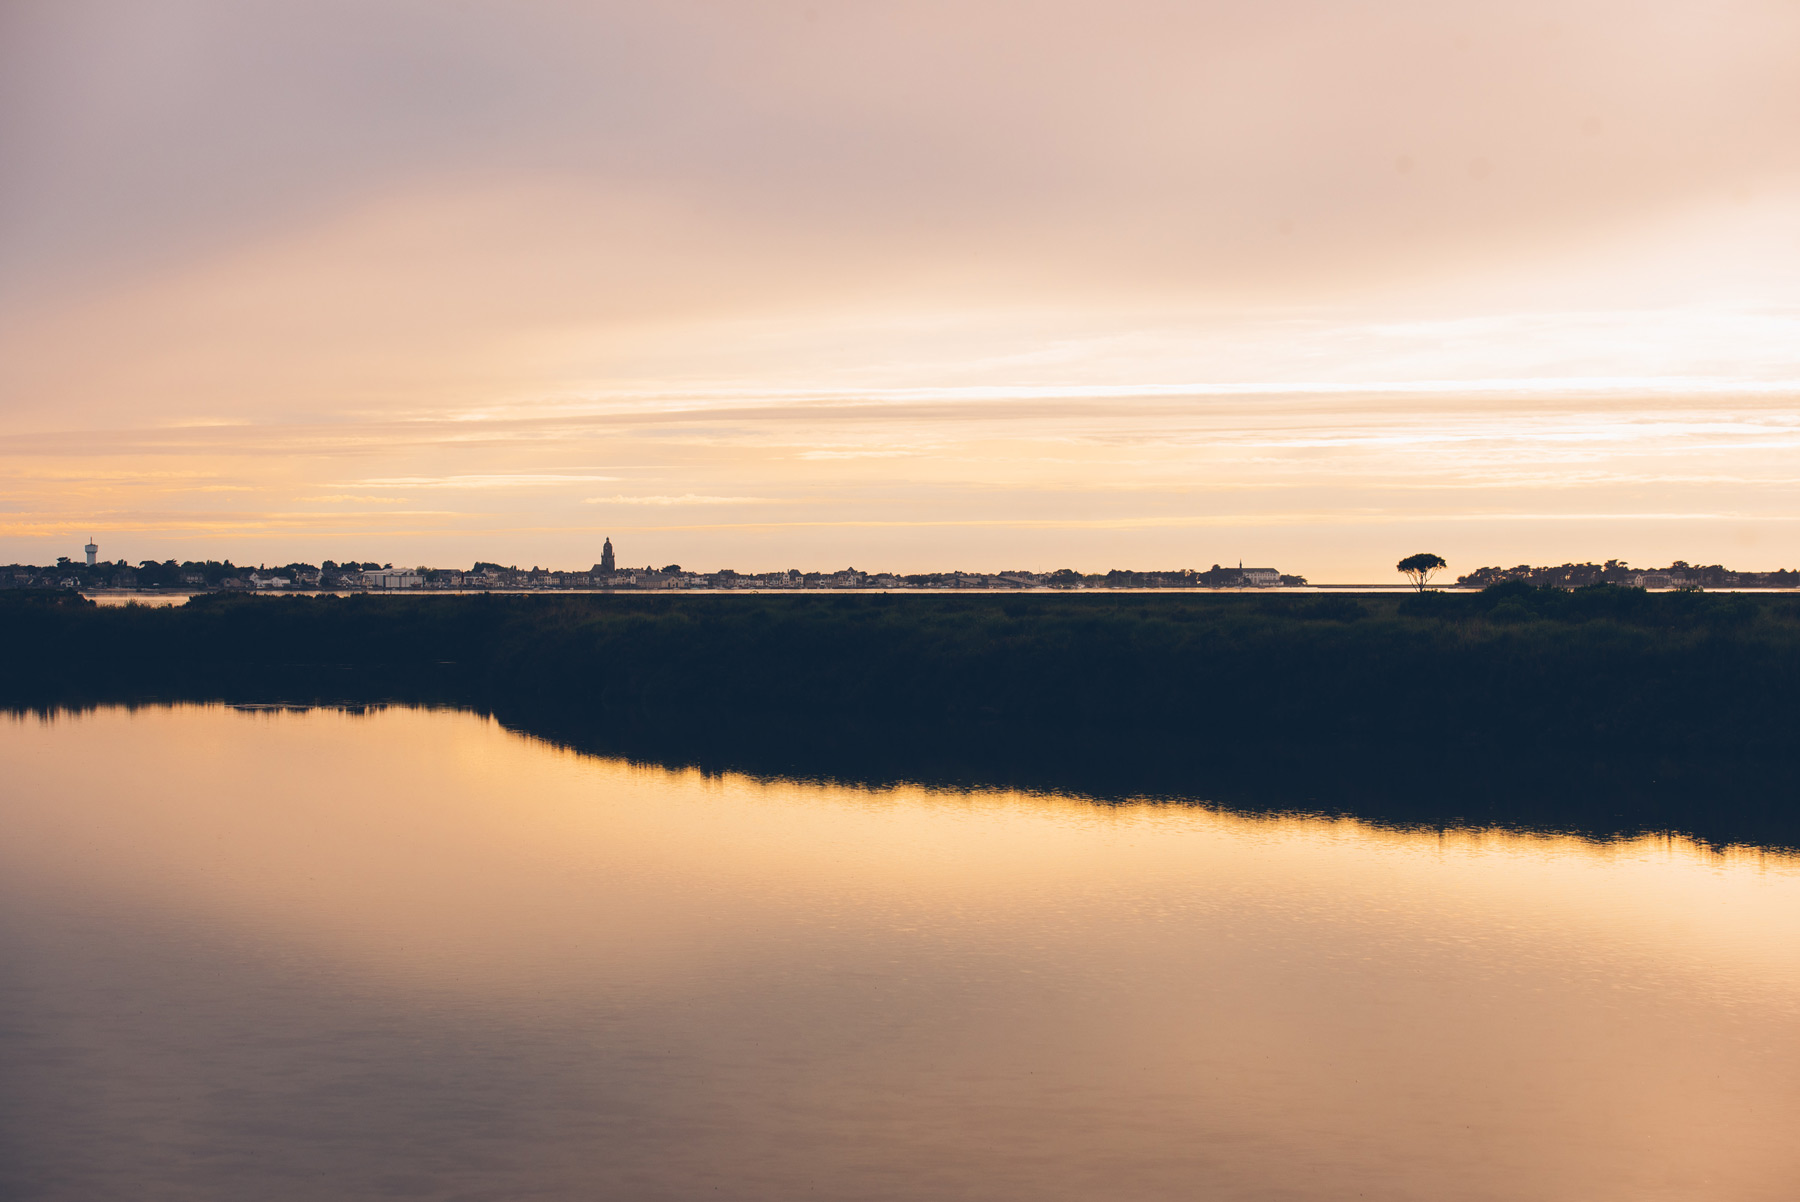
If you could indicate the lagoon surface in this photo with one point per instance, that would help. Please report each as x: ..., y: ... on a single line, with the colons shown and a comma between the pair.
x: 407, y: 953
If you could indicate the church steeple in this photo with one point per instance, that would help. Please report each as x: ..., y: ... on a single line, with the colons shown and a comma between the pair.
x: 606, y: 557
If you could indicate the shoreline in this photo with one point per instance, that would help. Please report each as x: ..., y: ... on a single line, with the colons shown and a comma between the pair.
x: 116, y: 597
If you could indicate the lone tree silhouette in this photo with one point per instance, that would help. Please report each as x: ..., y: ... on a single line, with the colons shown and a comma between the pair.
x: 1418, y: 568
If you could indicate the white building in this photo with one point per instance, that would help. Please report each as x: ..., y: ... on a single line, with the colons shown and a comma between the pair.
x: 1261, y: 577
x: 393, y: 578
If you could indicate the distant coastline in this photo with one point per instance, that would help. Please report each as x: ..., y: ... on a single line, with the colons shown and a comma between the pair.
x: 224, y: 576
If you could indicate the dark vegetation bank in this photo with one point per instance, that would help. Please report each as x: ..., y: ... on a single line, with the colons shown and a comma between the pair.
x: 1602, y: 709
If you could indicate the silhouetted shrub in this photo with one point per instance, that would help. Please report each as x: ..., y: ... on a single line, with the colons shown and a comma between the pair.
x: 1333, y: 609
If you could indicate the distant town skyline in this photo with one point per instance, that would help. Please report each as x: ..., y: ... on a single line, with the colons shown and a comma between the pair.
x: 607, y: 572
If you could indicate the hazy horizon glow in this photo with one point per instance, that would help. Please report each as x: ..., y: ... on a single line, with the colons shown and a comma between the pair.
x: 907, y: 287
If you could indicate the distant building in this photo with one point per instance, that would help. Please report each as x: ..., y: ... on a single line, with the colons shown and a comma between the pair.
x: 606, y: 556
x: 1261, y: 577
x: 93, y: 552
x: 393, y: 578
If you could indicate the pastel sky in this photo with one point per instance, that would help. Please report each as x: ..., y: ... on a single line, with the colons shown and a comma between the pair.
x: 980, y: 284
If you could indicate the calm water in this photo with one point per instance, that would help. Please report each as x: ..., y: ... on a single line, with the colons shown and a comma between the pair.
x: 324, y: 956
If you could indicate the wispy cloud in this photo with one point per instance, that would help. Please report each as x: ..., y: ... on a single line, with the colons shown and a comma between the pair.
x: 351, y: 498
x: 684, y: 499
x: 880, y: 453
x: 506, y: 480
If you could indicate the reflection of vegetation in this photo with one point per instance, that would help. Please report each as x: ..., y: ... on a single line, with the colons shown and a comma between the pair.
x: 1602, y: 708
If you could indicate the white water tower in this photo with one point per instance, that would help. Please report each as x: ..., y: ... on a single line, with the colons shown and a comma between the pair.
x: 93, y: 551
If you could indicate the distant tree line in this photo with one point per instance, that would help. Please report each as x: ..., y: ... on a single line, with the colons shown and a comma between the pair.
x: 1679, y: 574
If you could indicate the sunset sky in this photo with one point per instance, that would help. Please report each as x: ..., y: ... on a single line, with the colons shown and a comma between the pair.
x: 904, y: 286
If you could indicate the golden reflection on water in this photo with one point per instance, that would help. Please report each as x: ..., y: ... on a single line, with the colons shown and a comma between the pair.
x: 903, y: 992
